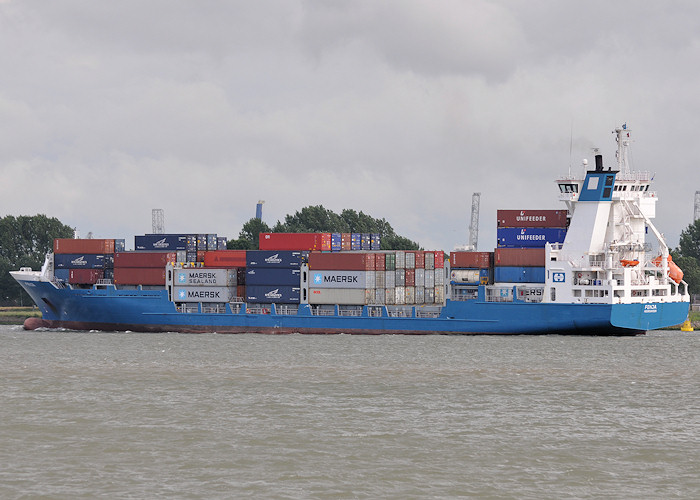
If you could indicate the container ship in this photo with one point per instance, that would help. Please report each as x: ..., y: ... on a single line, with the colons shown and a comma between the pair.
x: 585, y: 269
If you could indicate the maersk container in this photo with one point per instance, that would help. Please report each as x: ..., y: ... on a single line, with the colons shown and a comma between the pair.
x: 203, y: 294
x: 273, y: 276
x: 420, y: 277
x: 199, y: 276
x: 341, y: 261
x: 528, y: 237
x: 336, y: 242
x: 514, y: 274
x: 144, y: 259
x: 78, y: 261
x: 343, y: 296
x: 161, y: 242
x: 76, y: 246
x: 139, y: 276
x: 400, y: 277
x: 531, y: 218
x: 400, y: 259
x: 268, y: 294
x: 410, y: 295
x: 85, y: 276
x: 389, y: 279
x: 273, y: 258
x: 410, y: 277
x: 337, y: 279
x: 523, y: 257
x: 225, y: 258
x: 471, y: 260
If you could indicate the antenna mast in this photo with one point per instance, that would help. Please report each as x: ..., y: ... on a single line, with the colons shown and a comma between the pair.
x: 474, y: 224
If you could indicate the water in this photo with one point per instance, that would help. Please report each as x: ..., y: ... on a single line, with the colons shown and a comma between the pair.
x: 119, y: 415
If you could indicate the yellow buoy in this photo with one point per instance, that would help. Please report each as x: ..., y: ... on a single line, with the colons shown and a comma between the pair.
x: 687, y: 326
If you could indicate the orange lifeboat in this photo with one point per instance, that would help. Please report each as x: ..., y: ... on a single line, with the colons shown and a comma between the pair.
x: 675, y: 272
x: 629, y: 263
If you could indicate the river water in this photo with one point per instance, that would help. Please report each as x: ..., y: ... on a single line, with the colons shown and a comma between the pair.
x: 126, y: 415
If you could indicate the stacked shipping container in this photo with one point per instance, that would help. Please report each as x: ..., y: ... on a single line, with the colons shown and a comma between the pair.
x: 325, y: 242
x: 84, y: 261
x: 273, y: 276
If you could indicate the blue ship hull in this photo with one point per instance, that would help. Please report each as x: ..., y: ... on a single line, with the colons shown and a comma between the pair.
x: 151, y: 311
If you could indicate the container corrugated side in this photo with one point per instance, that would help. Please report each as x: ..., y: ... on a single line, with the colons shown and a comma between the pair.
x: 203, y: 294
x: 337, y: 278
x: 420, y: 295
x: 429, y: 260
x: 290, y: 241
x: 379, y: 296
x: 389, y: 279
x: 410, y: 260
x: 74, y: 246
x: 144, y: 259
x: 78, y: 261
x: 161, y: 242
x: 274, y: 258
x: 529, y: 237
x: 429, y: 278
x: 470, y: 260
x: 343, y: 296
x: 420, y: 260
x: 380, y: 262
x: 225, y: 258
x: 531, y: 218
x: 420, y: 277
x: 268, y: 294
x: 85, y: 276
x: 502, y: 274
x: 341, y: 261
x: 273, y: 276
x: 524, y: 257
x: 139, y: 276
x: 411, y: 277
x: 205, y: 277
x: 410, y: 295
x: 61, y: 274
x: 390, y: 296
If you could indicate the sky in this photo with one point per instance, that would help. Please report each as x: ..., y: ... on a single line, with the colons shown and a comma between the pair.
x: 401, y: 109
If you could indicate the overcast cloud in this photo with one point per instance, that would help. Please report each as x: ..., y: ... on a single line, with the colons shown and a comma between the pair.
x: 399, y: 108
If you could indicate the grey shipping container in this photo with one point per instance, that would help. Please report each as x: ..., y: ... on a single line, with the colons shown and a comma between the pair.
x: 410, y: 294
x: 400, y: 259
x: 380, y: 279
x: 205, y: 277
x: 420, y: 295
x: 379, y: 295
x: 400, y: 295
x: 420, y: 277
x: 400, y: 277
x: 346, y: 296
x: 338, y: 279
x: 389, y: 279
x: 203, y: 294
x: 390, y: 296
x: 430, y: 278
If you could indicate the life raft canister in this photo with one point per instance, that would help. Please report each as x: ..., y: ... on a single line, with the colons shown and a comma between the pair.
x: 674, y: 271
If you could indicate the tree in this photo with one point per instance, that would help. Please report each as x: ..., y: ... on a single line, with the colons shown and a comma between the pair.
x: 24, y: 242
x: 248, y: 238
x: 687, y: 256
x: 689, y: 245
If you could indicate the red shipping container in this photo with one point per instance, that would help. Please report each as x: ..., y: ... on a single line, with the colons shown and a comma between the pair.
x: 92, y: 246
x: 380, y: 261
x: 341, y: 261
x: 471, y: 260
x: 143, y: 259
x: 420, y: 259
x: 439, y: 259
x: 200, y: 255
x: 290, y: 241
x: 531, y: 218
x: 346, y: 241
x: 520, y: 257
x: 139, y: 276
x: 85, y: 276
x: 224, y: 259
x: 410, y: 277
x: 240, y: 291
x: 326, y: 242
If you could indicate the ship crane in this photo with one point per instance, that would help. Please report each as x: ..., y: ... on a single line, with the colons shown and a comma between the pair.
x: 474, y: 223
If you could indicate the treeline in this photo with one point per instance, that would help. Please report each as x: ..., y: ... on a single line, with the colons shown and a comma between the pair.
x: 687, y: 256
x: 316, y: 219
x: 24, y: 242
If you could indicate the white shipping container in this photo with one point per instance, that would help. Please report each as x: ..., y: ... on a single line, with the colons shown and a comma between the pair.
x: 379, y: 295
x: 420, y: 295
x: 439, y: 277
x: 343, y: 296
x: 338, y: 279
x: 429, y: 278
x: 430, y: 295
x: 380, y: 279
x: 390, y: 296
x: 371, y: 280
x: 204, y: 276
x: 420, y: 277
x: 429, y: 260
x: 410, y: 260
x: 439, y: 295
x: 203, y: 294
x: 400, y: 277
x: 400, y: 295
x: 390, y: 279
x: 465, y: 275
x: 181, y: 256
x: 410, y: 295
x: 369, y: 295
x: 400, y: 259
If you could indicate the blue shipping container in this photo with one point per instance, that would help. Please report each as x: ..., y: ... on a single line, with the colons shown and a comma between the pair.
x: 336, y: 242
x: 62, y: 274
x: 120, y: 245
x: 163, y: 242
x: 273, y: 258
x: 508, y: 274
x: 376, y: 241
x: 528, y: 237
x: 267, y: 294
x: 78, y: 261
x: 355, y: 241
x: 365, y: 242
x: 277, y: 276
